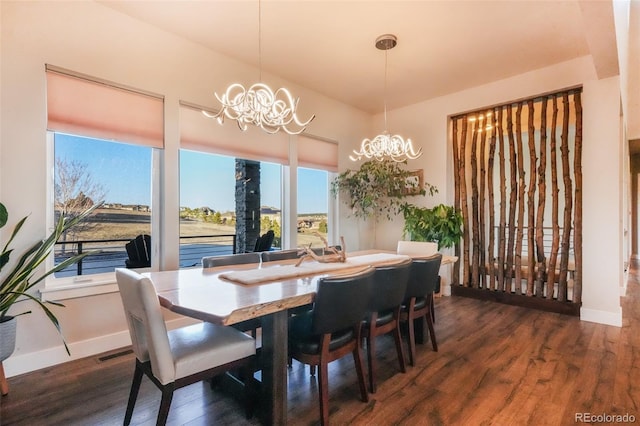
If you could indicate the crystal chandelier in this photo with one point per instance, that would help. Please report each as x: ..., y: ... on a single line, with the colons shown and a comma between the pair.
x: 259, y: 105
x: 386, y: 146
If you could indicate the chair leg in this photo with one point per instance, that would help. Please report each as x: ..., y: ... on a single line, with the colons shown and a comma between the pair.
x: 323, y: 384
x: 165, y: 404
x: 432, y: 308
x: 357, y: 359
x: 371, y: 361
x: 432, y: 332
x: 399, y: 348
x: 133, y: 393
x: 412, y: 341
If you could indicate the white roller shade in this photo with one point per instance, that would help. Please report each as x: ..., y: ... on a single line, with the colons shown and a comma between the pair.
x: 317, y: 153
x: 97, y: 109
x: 200, y: 133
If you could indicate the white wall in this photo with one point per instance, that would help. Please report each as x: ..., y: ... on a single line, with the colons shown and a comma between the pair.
x: 89, y: 38
x: 602, y: 198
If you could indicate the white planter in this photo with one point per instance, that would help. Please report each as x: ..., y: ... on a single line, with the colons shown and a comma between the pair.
x: 7, y: 338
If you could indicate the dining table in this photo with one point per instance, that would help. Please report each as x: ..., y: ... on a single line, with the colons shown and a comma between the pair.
x: 229, y: 295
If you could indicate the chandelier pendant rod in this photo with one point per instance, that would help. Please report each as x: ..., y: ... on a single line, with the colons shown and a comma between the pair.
x: 260, y: 41
x: 386, y: 146
x: 386, y: 129
x: 259, y: 105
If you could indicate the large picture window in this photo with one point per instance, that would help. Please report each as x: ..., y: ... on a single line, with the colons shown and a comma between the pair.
x: 88, y: 171
x: 210, y: 196
x: 313, y: 207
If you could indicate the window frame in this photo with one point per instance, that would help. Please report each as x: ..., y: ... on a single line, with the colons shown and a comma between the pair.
x: 56, y: 288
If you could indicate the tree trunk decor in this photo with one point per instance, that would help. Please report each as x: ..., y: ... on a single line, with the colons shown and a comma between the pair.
x: 508, y: 161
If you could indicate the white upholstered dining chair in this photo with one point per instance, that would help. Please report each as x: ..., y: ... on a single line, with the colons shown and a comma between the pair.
x: 417, y: 248
x: 176, y: 358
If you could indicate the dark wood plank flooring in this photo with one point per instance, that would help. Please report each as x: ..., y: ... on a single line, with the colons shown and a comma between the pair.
x: 496, y: 365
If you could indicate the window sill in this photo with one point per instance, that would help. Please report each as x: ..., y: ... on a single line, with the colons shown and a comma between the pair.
x: 79, y: 289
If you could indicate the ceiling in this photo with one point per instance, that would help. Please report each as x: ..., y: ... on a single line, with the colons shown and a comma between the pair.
x: 443, y: 46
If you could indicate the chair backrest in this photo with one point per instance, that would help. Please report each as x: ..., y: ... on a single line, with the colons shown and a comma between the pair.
x: 139, y: 252
x: 389, y: 286
x: 264, y: 242
x: 423, y: 278
x: 146, y: 324
x: 417, y: 248
x: 341, y: 301
x: 271, y: 256
x: 231, y: 259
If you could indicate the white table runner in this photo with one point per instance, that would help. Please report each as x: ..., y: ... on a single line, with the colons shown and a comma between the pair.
x: 283, y: 272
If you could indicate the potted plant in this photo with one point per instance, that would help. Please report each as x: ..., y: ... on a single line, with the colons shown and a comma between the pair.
x: 378, y: 188
x: 441, y: 224
x: 17, y: 283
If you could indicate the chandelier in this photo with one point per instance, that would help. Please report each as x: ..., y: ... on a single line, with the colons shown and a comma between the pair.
x: 385, y: 145
x: 259, y: 105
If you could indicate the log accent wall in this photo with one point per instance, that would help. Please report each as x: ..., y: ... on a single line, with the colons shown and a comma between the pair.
x: 518, y: 184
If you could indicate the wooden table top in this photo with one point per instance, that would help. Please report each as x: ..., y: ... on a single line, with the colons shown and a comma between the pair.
x: 201, y: 293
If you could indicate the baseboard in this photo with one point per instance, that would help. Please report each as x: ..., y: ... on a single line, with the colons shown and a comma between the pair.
x: 32, y: 361
x: 602, y: 317
x: 508, y: 298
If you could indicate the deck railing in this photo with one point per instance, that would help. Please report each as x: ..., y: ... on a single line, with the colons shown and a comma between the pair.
x: 108, y: 254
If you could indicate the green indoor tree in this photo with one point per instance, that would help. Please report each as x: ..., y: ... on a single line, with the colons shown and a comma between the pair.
x: 441, y: 224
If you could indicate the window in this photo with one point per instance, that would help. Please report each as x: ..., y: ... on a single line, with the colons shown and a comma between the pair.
x: 313, y: 207
x: 208, y: 196
x: 103, y: 142
x: 87, y: 171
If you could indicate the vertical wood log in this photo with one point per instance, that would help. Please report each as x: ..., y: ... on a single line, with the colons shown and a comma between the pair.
x: 503, y: 203
x: 568, y: 200
x: 490, y: 261
x: 577, y: 221
x: 463, y: 202
x: 474, y: 206
x: 513, y: 198
x: 456, y: 198
x: 531, y: 253
x: 481, y: 202
x: 521, y: 198
x: 555, y: 226
x: 542, y: 194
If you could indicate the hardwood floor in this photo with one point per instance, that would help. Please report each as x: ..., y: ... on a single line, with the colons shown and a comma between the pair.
x: 496, y: 365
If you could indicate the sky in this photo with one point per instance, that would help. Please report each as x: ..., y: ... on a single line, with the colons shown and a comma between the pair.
x: 206, y: 180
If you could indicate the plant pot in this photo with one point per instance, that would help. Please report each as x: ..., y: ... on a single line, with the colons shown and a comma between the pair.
x: 7, y: 337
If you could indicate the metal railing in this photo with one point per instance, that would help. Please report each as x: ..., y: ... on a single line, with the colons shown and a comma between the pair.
x: 108, y: 254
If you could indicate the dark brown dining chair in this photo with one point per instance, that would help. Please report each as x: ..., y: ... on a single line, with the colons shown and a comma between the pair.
x: 276, y: 255
x: 231, y: 259
x: 383, y: 312
x: 418, y: 300
x: 332, y: 329
x: 180, y: 357
x: 251, y: 325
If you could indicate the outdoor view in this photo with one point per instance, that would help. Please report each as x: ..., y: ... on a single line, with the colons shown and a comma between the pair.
x: 89, y: 170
